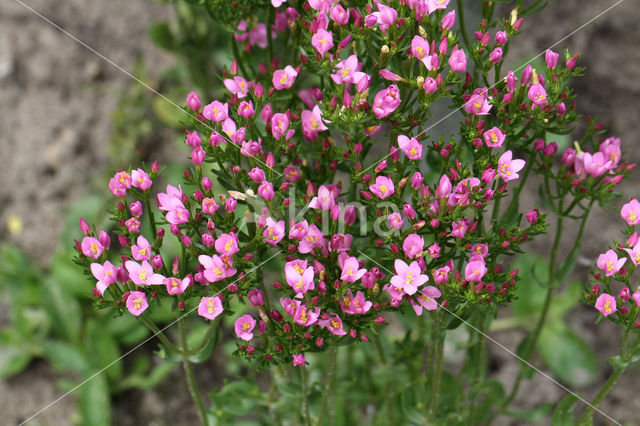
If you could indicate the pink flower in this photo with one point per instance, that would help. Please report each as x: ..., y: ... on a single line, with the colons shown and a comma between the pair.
x: 494, y: 138
x: 478, y: 103
x: 238, y: 86
x: 292, y: 173
x: 120, y: 183
x: 507, y: 168
x: 532, y: 216
x: 140, y: 179
x: 279, y: 125
x: 209, y: 205
x: 496, y: 55
x: 411, y: 147
x: 193, y: 101
x: 434, y: 5
x: 325, y: 199
x: 537, y: 95
x: 142, y: 274
x: 480, y: 249
x: 459, y: 228
x: 215, y: 269
x: 350, y: 270
x: 137, y: 302
x: 227, y: 244
x: 441, y: 275
x: 256, y: 297
x: 434, y: 250
x: 265, y: 190
x: 299, y: 230
x: 408, y: 277
x: 133, y: 225
x: 322, y: 41
x: 299, y: 276
x: 348, y: 71
x: 475, y: 270
x: 385, y: 17
x: 609, y: 263
x: 105, y: 274
x: 386, y: 101
x: 142, y: 250
x: 458, y: 60
x: 636, y: 298
x: 425, y: 300
x: 211, y: 307
x: 175, y: 285
x: 355, y: 305
x: 610, y: 148
x: 630, y: 212
x: 91, y: 247
x: 551, y: 59
x: 305, y: 316
x: 334, y: 325
x: 244, y: 326
x: 395, y: 221
x: 313, y: 239
x: 284, y: 78
x: 339, y: 15
x: 216, y: 111
x: 312, y: 123
x: 388, y: 75
x: 274, y: 232
x: 413, y: 245
x: 606, y: 304
x: 383, y: 187
x: 298, y: 359
x: 245, y: 109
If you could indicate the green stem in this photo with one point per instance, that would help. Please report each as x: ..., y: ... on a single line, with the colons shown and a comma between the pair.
x: 147, y: 203
x: 476, y: 338
x: 304, y: 405
x: 159, y: 334
x: 236, y: 54
x: 328, y: 383
x: 191, y: 380
x: 205, y: 339
x: 437, y: 364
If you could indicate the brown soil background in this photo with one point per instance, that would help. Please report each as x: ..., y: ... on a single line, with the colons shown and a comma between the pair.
x: 56, y: 99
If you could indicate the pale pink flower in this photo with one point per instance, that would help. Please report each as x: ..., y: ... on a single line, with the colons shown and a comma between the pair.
x: 176, y: 285
x: 274, y: 232
x: 494, y: 138
x: 507, y: 168
x: 459, y: 228
x: 537, y: 95
x: 386, y: 101
x: 348, y: 71
x: 478, y: 103
x: 299, y: 230
x: 105, y: 274
x: 216, y: 269
x: 475, y: 270
x: 120, y: 183
x: 299, y: 276
x: 395, y: 221
x: 351, y: 271
x: 630, y: 212
x: 441, y: 275
x: 305, y: 316
x: 413, y: 245
x: 325, y: 199
x: 426, y: 300
x: 141, y: 250
x: 383, y: 187
x: 312, y: 123
x: 216, y: 111
x: 408, y: 277
x: 209, y: 205
x: 410, y: 146
x: 227, y: 244
x: 142, y: 274
x: 606, y: 304
x: 245, y: 109
x: 284, y: 78
x: 91, y: 247
x: 458, y: 60
x: 137, y: 302
x: 244, y: 327
x: 609, y: 263
x: 313, y: 239
x: 210, y: 308
x: 355, y: 305
x: 140, y: 179
x: 322, y: 41
x: 279, y: 125
x: 238, y: 86
x: 333, y: 324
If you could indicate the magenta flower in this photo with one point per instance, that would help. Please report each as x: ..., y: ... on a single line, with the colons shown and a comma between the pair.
x: 322, y: 41
x: 609, y: 263
x: 413, y: 245
x: 211, y: 307
x: 480, y: 249
x: 383, y: 187
x: 141, y: 250
x: 175, y: 285
x: 350, y: 270
x: 325, y: 199
x: 458, y: 60
x: 426, y: 300
x: 244, y: 326
x: 420, y: 50
x: 475, y: 270
x: 216, y: 111
x: 140, y: 179
x: 610, y: 148
x: 313, y: 239
x: 209, y: 205
x: 245, y: 109
x: 305, y: 316
x: 299, y: 230
x: 120, y: 183
x: 284, y: 78
x: 459, y: 228
x: 636, y: 298
x: 411, y: 147
x: 133, y: 225
x: 334, y: 325
x: 386, y: 101
x: 227, y: 244
x: 274, y: 232
x: 606, y: 304
x: 408, y: 277
x: 105, y: 274
x: 312, y: 123
x: 292, y: 173
x: 339, y: 15
x: 494, y: 138
x: 91, y: 247
x: 279, y: 125
x: 355, y: 305
x: 193, y: 101
x: 434, y: 250
x: 507, y: 168
x: 630, y: 212
x: 137, y: 302
x: 299, y: 276
x: 441, y: 275
x: 395, y: 221
x: 348, y: 71
x: 265, y: 190
x: 215, y: 269
x: 551, y: 59
x: 532, y: 216
x: 537, y: 95
x: 256, y: 297
x: 478, y: 103
x: 142, y: 274
x: 298, y: 359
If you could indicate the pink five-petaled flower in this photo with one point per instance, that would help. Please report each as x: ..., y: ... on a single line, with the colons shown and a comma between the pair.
x: 105, y: 274
x: 141, y: 250
x: 609, y: 263
x: 279, y: 125
x: 215, y: 269
x: 284, y: 78
x: 350, y: 270
x: 305, y: 316
x: 475, y: 270
x: 458, y: 60
x: 409, y: 277
x: 244, y: 326
x: 314, y: 238
x: 630, y: 212
x: 325, y: 199
x: 410, y: 146
x: 333, y: 324
x: 322, y: 41
x: 395, y: 221
x: 606, y: 304
x: 210, y: 308
x: 91, y: 247
x: 425, y: 299
x: 137, y: 302
x: 420, y: 50
x: 634, y: 254
x: 140, y: 179
x: 478, y: 103
x: 348, y: 71
x: 494, y: 138
x: 298, y: 360
x: 537, y: 95
x: 175, y: 285
x: 274, y: 232
x: 216, y: 111
x: 312, y: 123
x: 355, y: 305
x: 383, y: 187
x: 507, y: 168
x: 299, y: 276
x: 238, y: 86
x: 459, y: 228
x: 441, y: 275
x: 120, y: 183
x: 413, y: 245
x: 227, y: 244
x: 386, y: 101
x: 142, y: 274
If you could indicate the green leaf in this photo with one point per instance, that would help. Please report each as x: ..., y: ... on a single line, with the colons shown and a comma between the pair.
x: 13, y: 359
x: 63, y: 309
x: 161, y: 35
x: 65, y: 357
x: 522, y: 351
x: 570, y: 358
x: 147, y: 380
x: 94, y: 402
x: 412, y: 409
x: 563, y: 414
x: 104, y: 350
x: 535, y: 414
x: 566, y: 267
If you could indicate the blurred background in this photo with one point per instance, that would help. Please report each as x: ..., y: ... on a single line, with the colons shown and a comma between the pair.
x: 69, y: 119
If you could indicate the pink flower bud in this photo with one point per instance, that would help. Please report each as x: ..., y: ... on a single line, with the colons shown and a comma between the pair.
x: 526, y: 75
x: 501, y: 38
x: 156, y: 262
x: 496, y: 55
x: 84, y: 227
x: 538, y: 145
x: 532, y: 216
x: 193, y: 102
x: 550, y: 149
x: 409, y: 211
x: 449, y: 20
x: 551, y: 59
